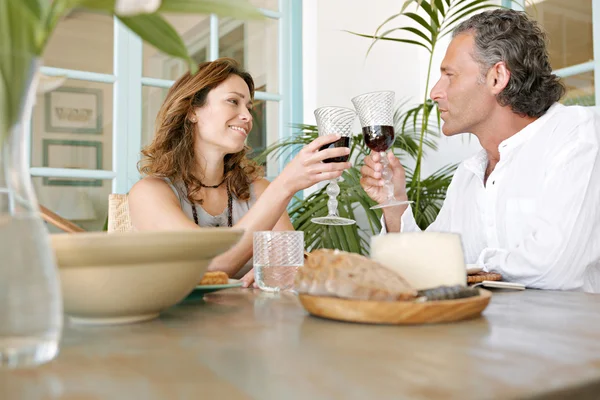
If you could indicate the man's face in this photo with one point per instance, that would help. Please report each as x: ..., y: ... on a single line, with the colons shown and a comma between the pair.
x: 464, y: 100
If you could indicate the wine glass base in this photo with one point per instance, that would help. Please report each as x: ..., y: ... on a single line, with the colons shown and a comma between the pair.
x: 391, y: 203
x: 339, y: 221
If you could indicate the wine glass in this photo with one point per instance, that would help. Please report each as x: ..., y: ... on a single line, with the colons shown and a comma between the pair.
x: 334, y: 121
x: 376, y: 113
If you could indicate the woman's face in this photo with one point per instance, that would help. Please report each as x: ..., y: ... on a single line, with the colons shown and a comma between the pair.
x: 225, y: 120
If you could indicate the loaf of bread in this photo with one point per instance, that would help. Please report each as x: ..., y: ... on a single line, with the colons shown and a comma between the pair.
x: 214, y: 278
x: 351, y: 276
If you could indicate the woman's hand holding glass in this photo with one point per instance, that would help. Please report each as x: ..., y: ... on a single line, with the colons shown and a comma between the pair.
x: 307, y: 168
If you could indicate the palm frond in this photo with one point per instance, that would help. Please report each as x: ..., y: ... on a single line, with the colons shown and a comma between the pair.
x: 432, y: 194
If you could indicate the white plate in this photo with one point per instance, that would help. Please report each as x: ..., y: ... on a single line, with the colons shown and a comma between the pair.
x: 501, y: 285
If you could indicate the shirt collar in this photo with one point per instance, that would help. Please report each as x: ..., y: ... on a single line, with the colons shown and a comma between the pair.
x: 477, y: 164
x: 524, y: 134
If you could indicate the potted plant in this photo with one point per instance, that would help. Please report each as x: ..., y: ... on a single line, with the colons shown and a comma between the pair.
x: 30, y: 299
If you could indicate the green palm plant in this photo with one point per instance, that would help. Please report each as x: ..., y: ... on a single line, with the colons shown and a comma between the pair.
x: 431, y: 21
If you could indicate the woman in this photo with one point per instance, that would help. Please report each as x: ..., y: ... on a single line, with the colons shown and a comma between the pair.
x: 197, y: 173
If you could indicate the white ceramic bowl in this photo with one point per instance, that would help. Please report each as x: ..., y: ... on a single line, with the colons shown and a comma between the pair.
x: 133, y: 276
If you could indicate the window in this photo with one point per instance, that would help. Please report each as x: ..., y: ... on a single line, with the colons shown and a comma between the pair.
x: 87, y: 135
x: 570, y: 29
x: 72, y: 128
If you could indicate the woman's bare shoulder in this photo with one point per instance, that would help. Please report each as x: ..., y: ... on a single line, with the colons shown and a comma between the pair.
x: 150, y: 186
x: 153, y: 205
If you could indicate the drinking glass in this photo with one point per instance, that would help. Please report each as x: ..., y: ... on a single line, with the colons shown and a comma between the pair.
x: 277, y: 257
x: 376, y: 114
x: 334, y: 121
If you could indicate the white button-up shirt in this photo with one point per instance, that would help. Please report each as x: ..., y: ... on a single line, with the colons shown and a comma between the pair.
x: 536, y: 221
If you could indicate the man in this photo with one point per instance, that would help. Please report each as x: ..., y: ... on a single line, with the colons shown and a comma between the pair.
x: 528, y: 205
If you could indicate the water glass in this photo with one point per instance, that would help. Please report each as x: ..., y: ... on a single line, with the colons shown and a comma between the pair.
x: 277, y: 257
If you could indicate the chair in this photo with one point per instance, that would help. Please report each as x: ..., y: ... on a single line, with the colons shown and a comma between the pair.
x: 59, y: 222
x: 118, y: 213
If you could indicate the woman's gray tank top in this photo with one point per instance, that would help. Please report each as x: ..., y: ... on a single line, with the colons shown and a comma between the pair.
x: 239, y: 208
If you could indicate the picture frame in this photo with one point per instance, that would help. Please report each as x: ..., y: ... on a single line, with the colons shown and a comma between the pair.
x: 76, y: 154
x: 73, y: 110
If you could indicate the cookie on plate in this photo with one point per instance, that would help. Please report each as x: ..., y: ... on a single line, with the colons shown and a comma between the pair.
x: 214, y: 278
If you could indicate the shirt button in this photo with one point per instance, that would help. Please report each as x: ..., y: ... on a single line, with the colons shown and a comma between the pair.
x: 493, y: 182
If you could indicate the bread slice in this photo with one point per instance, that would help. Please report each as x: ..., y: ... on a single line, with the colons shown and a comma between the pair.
x: 351, y: 276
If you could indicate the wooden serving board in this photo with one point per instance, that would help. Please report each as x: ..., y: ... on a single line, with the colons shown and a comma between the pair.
x: 396, y: 312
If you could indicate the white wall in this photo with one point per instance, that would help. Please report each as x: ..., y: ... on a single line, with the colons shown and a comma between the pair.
x: 336, y: 67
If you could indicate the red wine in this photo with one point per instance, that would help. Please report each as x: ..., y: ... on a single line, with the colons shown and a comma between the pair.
x: 344, y: 141
x: 379, y: 137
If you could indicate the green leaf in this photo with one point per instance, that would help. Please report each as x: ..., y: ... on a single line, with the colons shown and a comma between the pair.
x: 406, y: 4
x: 384, y: 36
x: 36, y: 7
x: 19, y: 27
x: 389, y: 19
x: 463, y: 5
x: 105, y: 5
x: 408, y: 29
x: 392, y: 39
x: 432, y: 14
x: 448, y: 29
x: 457, y: 13
x: 58, y: 8
x: 417, y: 18
x: 418, y: 33
x: 241, y: 9
x: 439, y: 5
x: 155, y: 30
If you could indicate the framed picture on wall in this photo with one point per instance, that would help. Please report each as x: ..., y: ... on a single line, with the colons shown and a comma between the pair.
x: 74, y: 154
x: 73, y: 110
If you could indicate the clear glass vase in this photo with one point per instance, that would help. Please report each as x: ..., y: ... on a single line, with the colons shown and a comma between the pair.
x: 30, y: 297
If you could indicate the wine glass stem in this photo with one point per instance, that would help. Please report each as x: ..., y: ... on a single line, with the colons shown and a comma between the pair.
x: 333, y: 189
x: 387, y: 176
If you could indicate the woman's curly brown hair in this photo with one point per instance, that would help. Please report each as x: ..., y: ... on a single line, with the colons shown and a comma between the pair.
x: 171, y: 153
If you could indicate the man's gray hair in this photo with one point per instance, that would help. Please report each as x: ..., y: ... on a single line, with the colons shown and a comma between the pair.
x: 510, y: 36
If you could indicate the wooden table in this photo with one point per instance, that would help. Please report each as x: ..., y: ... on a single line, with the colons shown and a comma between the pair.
x: 244, y: 344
